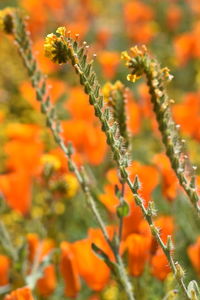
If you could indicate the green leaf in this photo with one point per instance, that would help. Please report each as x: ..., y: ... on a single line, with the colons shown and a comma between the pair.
x: 123, y: 210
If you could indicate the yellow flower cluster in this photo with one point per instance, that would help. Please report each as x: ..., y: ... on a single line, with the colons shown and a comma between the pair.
x: 109, y: 88
x: 72, y: 185
x: 55, y: 46
x: 6, y: 20
x: 52, y: 160
x: 135, y: 51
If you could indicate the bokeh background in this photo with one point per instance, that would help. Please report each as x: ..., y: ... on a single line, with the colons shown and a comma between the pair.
x: 38, y: 193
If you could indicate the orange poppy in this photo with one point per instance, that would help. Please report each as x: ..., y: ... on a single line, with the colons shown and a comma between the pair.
x: 89, y: 263
x: 169, y: 180
x: 187, y: 45
x: 138, y: 20
x: 174, y: 15
x: 88, y: 140
x: 4, y: 270
x: 47, y: 283
x: 20, y: 294
x: 78, y: 105
x: 56, y: 88
x: 24, y: 148
x: 159, y: 265
x: 166, y: 226
x: 103, y: 36
x: 16, y: 188
x: 187, y: 114
x: 133, y: 114
x: 69, y: 270
x: 148, y: 176
x: 109, y: 62
x: 194, y: 255
x: 138, y: 253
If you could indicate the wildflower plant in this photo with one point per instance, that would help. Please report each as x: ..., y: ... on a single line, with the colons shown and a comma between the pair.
x: 109, y: 104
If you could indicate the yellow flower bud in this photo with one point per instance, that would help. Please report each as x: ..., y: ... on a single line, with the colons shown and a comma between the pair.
x: 72, y: 185
x: 61, y: 31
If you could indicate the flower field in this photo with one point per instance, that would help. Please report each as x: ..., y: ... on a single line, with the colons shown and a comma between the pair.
x: 100, y: 143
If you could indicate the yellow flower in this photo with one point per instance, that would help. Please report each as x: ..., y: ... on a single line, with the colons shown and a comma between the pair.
x: 55, y: 48
x: 53, y: 161
x: 72, y: 185
x: 61, y: 31
x: 6, y: 20
x: 109, y: 88
x: 132, y: 77
x: 125, y: 56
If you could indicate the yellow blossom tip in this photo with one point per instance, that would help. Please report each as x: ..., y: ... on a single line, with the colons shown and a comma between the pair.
x: 125, y: 56
x: 132, y: 77
x: 61, y: 30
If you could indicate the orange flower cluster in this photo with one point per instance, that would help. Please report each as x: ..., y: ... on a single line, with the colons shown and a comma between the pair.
x: 187, y: 45
x: 78, y: 259
x: 187, y: 114
x: 37, y: 251
x: 20, y: 294
x: 139, y: 24
x: 86, y: 135
x: 194, y: 255
x: 23, y: 149
x: 137, y: 239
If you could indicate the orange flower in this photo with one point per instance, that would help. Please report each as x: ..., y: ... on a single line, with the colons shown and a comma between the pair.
x: 159, y: 265
x: 45, y: 64
x: 22, y: 132
x: 138, y: 253
x: 16, y: 188
x: 187, y: 114
x: 133, y: 220
x: 166, y: 226
x: 40, y: 12
x: 20, y: 294
x: 170, y: 183
x: 194, y: 255
x: 187, y: 45
x: 195, y: 5
x: 184, y: 45
x: 134, y: 114
x: 147, y: 107
x: 148, y: 176
x: 89, y: 263
x: 88, y: 140
x: 69, y: 270
x: 103, y: 36
x: 136, y: 11
x: 4, y: 270
x: 80, y: 26
x: 174, y: 15
x: 47, y: 283
x: 138, y: 17
x: 56, y: 88
x: 109, y: 62
x: 24, y: 148
x: 78, y: 105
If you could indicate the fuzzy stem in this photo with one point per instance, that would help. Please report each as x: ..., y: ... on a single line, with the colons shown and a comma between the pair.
x: 141, y: 63
x: 38, y: 82
x: 91, y: 85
